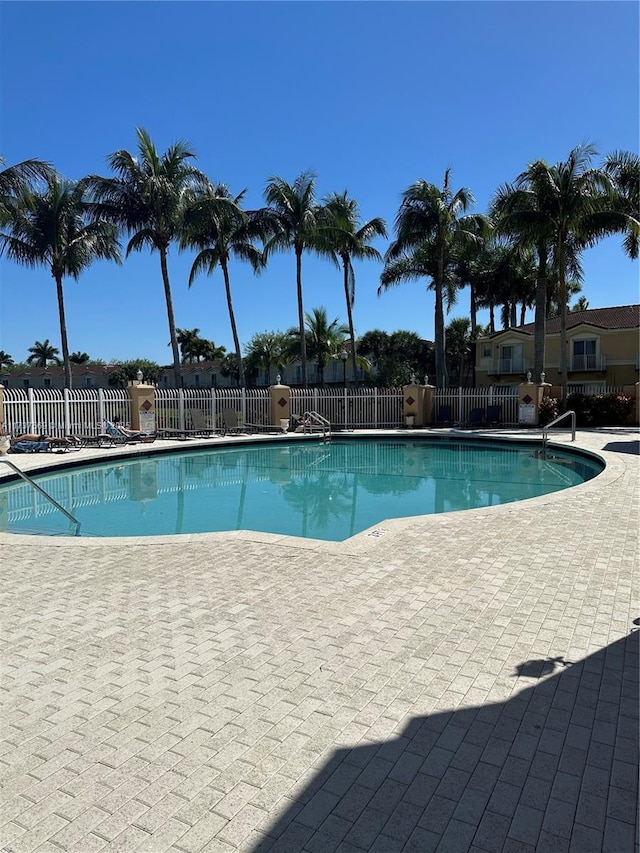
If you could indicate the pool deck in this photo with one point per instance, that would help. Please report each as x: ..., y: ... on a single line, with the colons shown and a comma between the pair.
x: 462, y: 682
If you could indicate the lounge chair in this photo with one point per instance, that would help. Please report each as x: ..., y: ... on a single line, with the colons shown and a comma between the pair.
x: 32, y: 443
x: 476, y: 417
x: 126, y: 436
x: 199, y: 428
x: 232, y: 422
x: 443, y: 416
x: 494, y: 415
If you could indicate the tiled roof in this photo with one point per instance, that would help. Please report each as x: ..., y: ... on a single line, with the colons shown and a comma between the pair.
x: 620, y: 317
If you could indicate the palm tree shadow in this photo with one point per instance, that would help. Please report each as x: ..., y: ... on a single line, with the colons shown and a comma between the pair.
x: 478, y: 776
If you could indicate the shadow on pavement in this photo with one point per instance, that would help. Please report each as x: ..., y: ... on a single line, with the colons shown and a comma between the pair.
x: 553, y: 769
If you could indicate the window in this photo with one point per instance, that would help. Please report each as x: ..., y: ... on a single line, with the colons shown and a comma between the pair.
x: 511, y: 359
x: 25, y: 383
x: 487, y: 350
x: 89, y: 382
x: 584, y: 354
x: 196, y: 380
x: 214, y: 380
x: 46, y: 382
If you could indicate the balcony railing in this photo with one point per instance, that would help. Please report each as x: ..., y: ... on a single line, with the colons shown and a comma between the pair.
x: 588, y: 363
x: 505, y: 366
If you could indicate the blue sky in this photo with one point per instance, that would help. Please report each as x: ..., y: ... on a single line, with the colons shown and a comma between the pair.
x: 369, y: 95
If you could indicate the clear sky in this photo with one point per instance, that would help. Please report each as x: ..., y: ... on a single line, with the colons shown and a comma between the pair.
x: 369, y: 95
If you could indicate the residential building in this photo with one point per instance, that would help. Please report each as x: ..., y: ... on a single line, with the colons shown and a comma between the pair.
x: 603, y: 351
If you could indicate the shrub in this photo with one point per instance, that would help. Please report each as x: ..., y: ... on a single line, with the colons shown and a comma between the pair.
x: 601, y: 409
x: 547, y: 410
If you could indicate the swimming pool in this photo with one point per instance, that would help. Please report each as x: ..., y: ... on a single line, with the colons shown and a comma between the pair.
x: 322, y: 491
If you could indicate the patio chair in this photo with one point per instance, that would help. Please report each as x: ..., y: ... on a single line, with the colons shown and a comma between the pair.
x: 494, y: 415
x: 32, y: 443
x: 476, y: 417
x: 443, y: 415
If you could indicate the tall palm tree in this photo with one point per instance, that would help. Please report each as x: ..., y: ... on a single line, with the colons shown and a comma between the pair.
x: 294, y: 212
x: 17, y: 180
x: 42, y: 352
x: 78, y: 357
x: 560, y: 210
x: 431, y: 230
x: 343, y: 238
x: 216, y: 224
x: 624, y: 168
x: 56, y: 228
x: 147, y: 199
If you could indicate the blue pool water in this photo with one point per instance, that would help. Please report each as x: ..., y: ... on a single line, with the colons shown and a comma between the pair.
x: 323, y: 491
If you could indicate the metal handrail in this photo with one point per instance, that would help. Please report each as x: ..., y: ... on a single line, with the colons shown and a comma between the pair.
x: 545, y: 430
x: 322, y: 421
x: 28, y: 479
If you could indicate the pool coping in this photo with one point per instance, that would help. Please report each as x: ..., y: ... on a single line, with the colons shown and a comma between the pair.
x: 362, y: 542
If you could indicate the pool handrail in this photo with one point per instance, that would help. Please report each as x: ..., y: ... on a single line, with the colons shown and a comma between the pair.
x: 33, y: 483
x: 320, y: 421
x: 545, y: 430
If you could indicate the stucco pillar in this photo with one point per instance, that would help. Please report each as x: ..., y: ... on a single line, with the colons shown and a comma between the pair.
x: 428, y: 406
x: 3, y: 420
x: 529, y: 398
x: 143, y: 406
x: 280, y: 403
x: 413, y: 404
x: 637, y: 406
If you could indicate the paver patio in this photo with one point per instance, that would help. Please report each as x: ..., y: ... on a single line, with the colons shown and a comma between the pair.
x: 452, y: 683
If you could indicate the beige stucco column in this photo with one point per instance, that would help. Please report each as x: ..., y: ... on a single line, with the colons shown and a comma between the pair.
x: 4, y: 425
x: 413, y: 404
x: 280, y: 403
x: 428, y: 404
x: 143, y: 406
x: 530, y: 396
x: 3, y: 420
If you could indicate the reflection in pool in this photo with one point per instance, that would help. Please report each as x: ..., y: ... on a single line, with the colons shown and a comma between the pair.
x: 323, y: 491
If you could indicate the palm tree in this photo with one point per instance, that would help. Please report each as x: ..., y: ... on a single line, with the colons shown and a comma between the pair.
x: 147, y: 198
x: 324, y: 339
x: 216, y: 224
x: 344, y: 239
x: 42, y: 352
x: 267, y: 350
x: 431, y: 235
x: 57, y: 228
x: 17, y: 180
x: 459, y: 346
x: 560, y: 211
x: 187, y: 341
x: 624, y: 168
x: 294, y: 213
x: 5, y: 359
x: 78, y: 357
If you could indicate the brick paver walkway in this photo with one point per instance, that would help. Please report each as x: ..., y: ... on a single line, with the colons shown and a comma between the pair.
x: 461, y: 682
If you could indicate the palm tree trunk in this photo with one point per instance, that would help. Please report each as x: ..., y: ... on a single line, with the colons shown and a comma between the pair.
x: 439, y: 326
x: 492, y: 319
x: 172, y: 323
x: 352, y: 337
x: 514, y: 313
x: 232, y: 318
x: 473, y: 308
x: 303, y: 340
x: 562, y: 297
x: 540, y: 321
x: 68, y: 381
x: 523, y: 312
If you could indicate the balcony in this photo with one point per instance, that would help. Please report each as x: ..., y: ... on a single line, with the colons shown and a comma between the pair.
x: 508, y: 366
x: 588, y: 364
